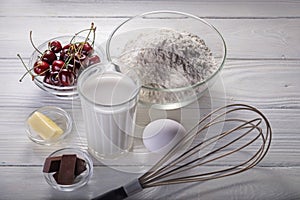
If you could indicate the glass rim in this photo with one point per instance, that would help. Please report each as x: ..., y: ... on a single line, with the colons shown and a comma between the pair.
x: 97, y: 66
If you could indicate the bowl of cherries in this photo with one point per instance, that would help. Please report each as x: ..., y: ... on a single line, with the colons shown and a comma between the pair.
x: 56, y: 64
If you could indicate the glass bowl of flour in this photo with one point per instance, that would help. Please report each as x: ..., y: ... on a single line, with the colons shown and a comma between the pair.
x: 176, y: 55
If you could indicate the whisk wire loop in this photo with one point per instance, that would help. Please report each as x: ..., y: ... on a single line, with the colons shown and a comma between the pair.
x: 188, y: 166
x: 170, y: 165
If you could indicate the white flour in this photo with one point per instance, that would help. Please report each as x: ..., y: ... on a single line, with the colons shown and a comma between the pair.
x: 168, y: 59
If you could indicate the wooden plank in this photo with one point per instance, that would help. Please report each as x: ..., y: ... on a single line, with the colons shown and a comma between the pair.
x: 258, y: 183
x: 245, y: 38
x: 210, y: 9
x: 263, y: 83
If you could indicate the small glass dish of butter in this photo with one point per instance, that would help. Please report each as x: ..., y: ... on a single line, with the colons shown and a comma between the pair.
x: 48, y: 125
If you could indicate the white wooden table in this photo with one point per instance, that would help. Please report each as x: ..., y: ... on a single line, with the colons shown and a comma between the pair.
x: 262, y: 69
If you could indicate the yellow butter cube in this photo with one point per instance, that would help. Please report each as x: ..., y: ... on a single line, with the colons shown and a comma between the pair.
x: 44, y: 126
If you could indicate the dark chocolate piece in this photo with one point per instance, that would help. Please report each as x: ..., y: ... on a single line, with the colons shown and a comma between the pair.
x: 66, y: 168
x: 66, y: 173
x: 52, y: 164
x: 80, y: 166
x: 55, y: 176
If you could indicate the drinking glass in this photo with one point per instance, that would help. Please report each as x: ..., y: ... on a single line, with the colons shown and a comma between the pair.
x: 109, y: 100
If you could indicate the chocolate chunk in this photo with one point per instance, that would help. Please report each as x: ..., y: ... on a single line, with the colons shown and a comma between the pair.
x: 66, y: 168
x: 66, y: 173
x: 52, y: 164
x: 80, y: 166
x: 55, y: 176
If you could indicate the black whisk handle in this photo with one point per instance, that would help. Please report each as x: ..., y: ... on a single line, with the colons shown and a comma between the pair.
x: 123, y: 192
x: 116, y: 194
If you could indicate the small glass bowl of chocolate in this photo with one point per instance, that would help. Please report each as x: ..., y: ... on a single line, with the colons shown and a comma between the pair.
x: 68, y: 169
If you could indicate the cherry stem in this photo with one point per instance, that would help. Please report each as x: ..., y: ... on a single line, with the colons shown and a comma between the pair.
x: 28, y: 70
x: 94, y: 36
x: 76, y: 34
x: 44, y: 72
x: 87, y: 37
x: 30, y: 37
x: 68, y: 61
x: 89, y: 29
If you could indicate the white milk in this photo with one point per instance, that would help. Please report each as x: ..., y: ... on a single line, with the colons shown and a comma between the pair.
x: 108, y: 102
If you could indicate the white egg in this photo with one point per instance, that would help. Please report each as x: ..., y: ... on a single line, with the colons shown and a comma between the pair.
x: 162, y: 134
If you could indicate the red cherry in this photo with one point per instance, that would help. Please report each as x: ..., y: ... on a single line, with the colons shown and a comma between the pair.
x: 85, y: 63
x: 80, y: 56
x: 87, y: 49
x: 47, y: 78
x: 75, y: 63
x: 40, y: 67
x: 57, y: 65
x: 67, y: 78
x: 48, y: 56
x: 54, y: 78
x: 67, y: 46
x: 72, y: 48
x: 75, y: 69
x: 64, y: 54
x: 55, y: 46
x: 94, y: 59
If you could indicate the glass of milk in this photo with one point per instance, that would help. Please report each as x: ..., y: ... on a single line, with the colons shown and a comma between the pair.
x: 109, y: 100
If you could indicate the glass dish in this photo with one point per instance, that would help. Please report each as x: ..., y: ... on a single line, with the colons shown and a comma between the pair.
x: 63, y: 92
x: 56, y: 114
x: 81, y: 179
x: 141, y: 33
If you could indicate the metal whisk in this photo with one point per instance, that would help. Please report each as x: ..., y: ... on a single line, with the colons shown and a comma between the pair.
x: 229, y: 140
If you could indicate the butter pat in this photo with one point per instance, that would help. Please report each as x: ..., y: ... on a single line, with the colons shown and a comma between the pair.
x: 44, y: 126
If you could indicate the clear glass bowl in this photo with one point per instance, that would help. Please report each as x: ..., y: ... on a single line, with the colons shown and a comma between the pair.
x: 81, y: 179
x: 56, y: 114
x: 63, y: 92
x: 142, y: 35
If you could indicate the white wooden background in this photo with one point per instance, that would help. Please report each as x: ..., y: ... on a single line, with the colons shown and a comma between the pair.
x: 262, y: 69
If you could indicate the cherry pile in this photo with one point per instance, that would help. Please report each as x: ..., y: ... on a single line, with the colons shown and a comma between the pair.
x: 60, y: 65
